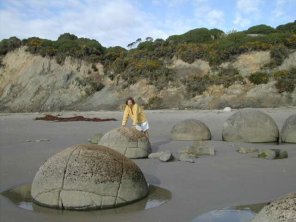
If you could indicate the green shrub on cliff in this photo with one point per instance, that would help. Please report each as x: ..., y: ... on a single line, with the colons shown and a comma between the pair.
x: 155, y: 103
x: 151, y: 69
x: 280, y: 74
x: 112, y: 53
x: 67, y: 36
x: 259, y: 78
x: 289, y: 27
x: 260, y: 29
x: 278, y: 53
x: 89, y: 84
x: 7, y: 45
x: 66, y: 45
x: 199, y: 35
x: 225, y: 48
x: 285, y: 80
x: 190, y: 52
x: 196, y: 85
x: 227, y: 77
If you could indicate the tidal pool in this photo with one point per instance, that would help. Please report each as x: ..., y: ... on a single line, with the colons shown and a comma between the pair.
x: 243, y: 213
x: 21, y: 197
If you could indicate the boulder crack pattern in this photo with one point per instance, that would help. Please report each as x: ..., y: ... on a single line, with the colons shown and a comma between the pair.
x: 98, y: 194
x: 122, y: 171
x: 64, y: 175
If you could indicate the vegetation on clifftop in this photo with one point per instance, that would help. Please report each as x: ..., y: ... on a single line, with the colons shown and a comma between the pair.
x: 149, y: 58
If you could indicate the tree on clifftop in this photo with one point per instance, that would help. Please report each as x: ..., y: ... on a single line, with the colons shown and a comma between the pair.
x: 67, y: 36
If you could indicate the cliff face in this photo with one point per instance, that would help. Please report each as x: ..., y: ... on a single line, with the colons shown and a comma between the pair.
x: 31, y: 83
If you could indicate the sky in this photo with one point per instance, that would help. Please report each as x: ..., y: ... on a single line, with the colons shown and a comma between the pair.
x: 120, y: 22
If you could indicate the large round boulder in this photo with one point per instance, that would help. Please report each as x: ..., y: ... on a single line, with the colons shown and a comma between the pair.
x: 281, y: 210
x: 128, y: 141
x: 288, y: 133
x: 250, y: 126
x: 88, y: 177
x: 190, y: 129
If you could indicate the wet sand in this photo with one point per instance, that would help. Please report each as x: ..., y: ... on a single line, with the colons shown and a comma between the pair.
x: 227, y: 179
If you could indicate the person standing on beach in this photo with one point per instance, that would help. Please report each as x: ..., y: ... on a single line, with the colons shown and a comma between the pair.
x: 136, y: 113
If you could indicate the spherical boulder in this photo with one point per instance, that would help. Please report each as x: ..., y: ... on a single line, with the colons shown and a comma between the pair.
x: 288, y: 133
x: 281, y: 210
x: 190, y: 129
x: 88, y: 176
x: 128, y: 141
x: 250, y: 126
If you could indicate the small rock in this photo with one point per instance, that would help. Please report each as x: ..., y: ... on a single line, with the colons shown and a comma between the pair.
x: 199, y: 148
x: 38, y: 140
x: 184, y: 157
x: 271, y: 154
x: 280, y: 154
x: 266, y: 154
x: 96, y: 138
x: 162, y: 156
x: 227, y: 109
x: 155, y: 155
x: 206, y: 151
x: 245, y: 150
x: 166, y: 156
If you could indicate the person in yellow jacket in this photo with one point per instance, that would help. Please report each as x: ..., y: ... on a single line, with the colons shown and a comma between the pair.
x: 136, y: 113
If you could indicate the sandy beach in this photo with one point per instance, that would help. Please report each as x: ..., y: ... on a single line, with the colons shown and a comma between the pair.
x: 227, y: 179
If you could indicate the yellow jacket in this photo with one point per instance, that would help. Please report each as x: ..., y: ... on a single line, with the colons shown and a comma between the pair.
x: 136, y: 113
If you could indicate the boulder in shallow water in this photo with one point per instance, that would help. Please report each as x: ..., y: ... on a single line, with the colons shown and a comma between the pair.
x: 128, y: 141
x: 281, y: 210
x: 88, y: 176
x: 250, y: 125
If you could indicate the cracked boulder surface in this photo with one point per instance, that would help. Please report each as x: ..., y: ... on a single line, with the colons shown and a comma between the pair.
x: 128, y: 141
x: 190, y: 129
x: 86, y: 177
x: 288, y: 133
x: 280, y: 210
x: 249, y: 125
